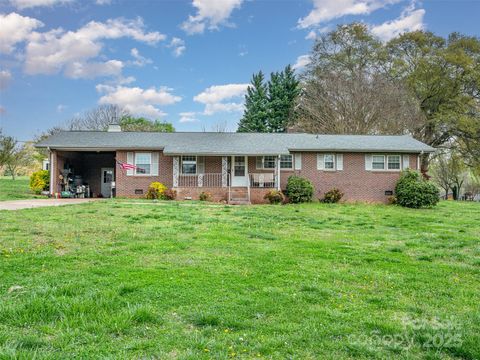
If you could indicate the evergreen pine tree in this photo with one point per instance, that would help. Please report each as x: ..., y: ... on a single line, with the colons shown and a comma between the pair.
x: 283, y: 89
x: 255, y: 115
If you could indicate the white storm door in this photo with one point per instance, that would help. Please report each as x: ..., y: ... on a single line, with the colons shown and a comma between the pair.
x: 239, y: 171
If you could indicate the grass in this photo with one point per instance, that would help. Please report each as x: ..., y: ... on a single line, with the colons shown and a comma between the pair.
x: 17, y: 189
x: 168, y: 280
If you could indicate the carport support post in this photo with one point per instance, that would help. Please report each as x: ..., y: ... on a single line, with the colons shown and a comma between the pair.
x: 52, y: 171
x: 278, y: 172
x: 176, y: 170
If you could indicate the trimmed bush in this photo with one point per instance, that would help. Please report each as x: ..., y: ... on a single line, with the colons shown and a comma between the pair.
x: 155, y: 190
x: 205, y: 196
x: 40, y: 181
x: 415, y: 192
x: 332, y: 196
x: 169, y: 194
x: 274, y: 197
x: 299, y: 189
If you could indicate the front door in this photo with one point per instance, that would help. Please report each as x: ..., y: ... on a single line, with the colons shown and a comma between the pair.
x: 107, y: 179
x: 239, y: 171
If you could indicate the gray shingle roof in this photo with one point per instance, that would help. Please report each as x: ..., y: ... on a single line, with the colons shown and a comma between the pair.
x: 203, y: 143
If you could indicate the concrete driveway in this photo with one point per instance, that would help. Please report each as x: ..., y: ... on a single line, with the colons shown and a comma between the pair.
x: 33, y: 203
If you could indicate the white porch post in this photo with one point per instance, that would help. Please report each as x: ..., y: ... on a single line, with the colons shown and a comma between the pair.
x: 52, y: 171
x: 224, y: 171
x: 278, y: 172
x: 176, y: 170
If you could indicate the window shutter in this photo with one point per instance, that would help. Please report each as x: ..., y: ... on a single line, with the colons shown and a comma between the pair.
x: 130, y: 160
x: 155, y: 163
x: 406, y: 161
x: 200, y: 164
x: 298, y: 161
x: 320, y: 164
x: 259, y: 163
x: 339, y: 161
x: 368, y: 162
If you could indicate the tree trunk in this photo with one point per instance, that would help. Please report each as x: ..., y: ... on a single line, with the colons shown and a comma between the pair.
x: 424, y: 162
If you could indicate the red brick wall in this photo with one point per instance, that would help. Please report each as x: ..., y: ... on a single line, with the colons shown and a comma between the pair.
x: 354, y: 181
x: 126, y: 185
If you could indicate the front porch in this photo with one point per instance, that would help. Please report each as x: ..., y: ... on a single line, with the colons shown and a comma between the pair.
x: 230, y: 177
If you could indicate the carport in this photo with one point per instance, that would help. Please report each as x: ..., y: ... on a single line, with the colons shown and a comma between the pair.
x: 82, y: 173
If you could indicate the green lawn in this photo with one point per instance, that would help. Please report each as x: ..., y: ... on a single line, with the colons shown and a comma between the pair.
x: 126, y: 279
x: 17, y: 189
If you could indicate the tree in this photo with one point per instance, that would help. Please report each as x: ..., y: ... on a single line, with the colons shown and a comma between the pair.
x: 283, y: 90
x: 98, y: 118
x: 131, y: 123
x: 335, y: 103
x: 444, y: 76
x: 449, y: 172
x: 12, y: 156
x: 346, y: 92
x: 255, y: 115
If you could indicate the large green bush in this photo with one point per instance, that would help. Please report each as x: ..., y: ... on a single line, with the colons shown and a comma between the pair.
x: 299, y: 189
x: 415, y: 192
x: 40, y: 181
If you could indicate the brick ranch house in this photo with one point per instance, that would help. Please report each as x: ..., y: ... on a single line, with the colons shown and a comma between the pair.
x: 234, y: 167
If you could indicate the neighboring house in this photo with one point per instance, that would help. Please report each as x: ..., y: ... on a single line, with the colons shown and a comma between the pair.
x: 231, y: 166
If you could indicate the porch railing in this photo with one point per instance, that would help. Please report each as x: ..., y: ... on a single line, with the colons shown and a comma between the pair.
x: 200, y: 180
x: 262, y: 180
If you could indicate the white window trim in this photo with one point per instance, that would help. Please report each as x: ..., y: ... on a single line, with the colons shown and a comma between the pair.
x: 196, y: 165
x: 399, y: 162
x: 284, y: 168
x: 334, y: 163
x: 135, y: 163
x: 263, y: 163
x: 385, y: 163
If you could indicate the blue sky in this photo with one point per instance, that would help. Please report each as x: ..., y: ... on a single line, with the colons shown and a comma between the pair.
x: 185, y: 62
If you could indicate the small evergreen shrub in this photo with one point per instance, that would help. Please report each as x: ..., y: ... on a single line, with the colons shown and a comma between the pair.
x: 415, y: 192
x: 155, y: 190
x: 169, y: 194
x: 332, y: 196
x: 274, y: 197
x: 40, y: 181
x: 205, y: 196
x: 299, y: 189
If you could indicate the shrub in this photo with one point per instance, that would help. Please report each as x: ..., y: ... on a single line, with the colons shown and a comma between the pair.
x: 155, y: 190
x: 332, y: 196
x: 274, y: 197
x: 299, y: 189
x: 205, y: 196
x: 40, y: 181
x: 169, y: 194
x: 415, y: 192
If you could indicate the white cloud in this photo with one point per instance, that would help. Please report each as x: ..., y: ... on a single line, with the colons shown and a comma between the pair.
x: 210, y: 15
x: 186, y: 117
x: 215, y: 98
x: 410, y: 20
x: 15, y: 28
x: 302, y: 61
x: 326, y: 10
x: 137, y: 100
x: 312, y: 35
x: 103, y: 2
x: 139, y: 59
x: 73, y: 51
x: 25, y: 4
x: 5, y: 78
x: 178, y: 46
x: 61, y: 108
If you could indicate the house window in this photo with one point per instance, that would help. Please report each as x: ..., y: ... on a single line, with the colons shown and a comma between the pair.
x: 189, y: 164
x: 378, y: 162
x: 329, y: 161
x: 143, y: 162
x: 286, y: 162
x: 266, y: 162
x: 393, y: 162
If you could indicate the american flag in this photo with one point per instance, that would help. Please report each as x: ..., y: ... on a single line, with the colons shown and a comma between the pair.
x: 126, y: 166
